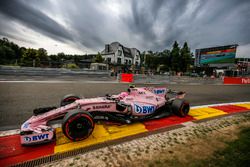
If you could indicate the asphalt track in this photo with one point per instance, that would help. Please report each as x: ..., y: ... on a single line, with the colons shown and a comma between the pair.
x: 17, y: 100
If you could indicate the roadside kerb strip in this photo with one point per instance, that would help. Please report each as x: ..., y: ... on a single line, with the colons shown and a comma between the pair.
x: 12, y: 152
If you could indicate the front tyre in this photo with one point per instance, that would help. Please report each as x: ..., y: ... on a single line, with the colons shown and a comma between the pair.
x: 77, y: 125
x: 180, y: 107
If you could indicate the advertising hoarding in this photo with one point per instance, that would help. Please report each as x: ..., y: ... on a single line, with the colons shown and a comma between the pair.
x: 215, y: 55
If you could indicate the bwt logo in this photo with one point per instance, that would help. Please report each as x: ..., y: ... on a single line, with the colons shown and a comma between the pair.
x: 159, y: 91
x: 144, y: 109
x: 37, y: 137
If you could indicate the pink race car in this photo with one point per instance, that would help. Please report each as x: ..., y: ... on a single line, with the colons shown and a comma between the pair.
x: 79, y: 115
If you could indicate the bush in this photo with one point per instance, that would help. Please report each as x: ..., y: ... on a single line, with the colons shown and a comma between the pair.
x: 71, y: 66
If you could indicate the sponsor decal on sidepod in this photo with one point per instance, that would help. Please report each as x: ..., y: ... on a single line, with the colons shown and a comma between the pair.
x: 144, y: 109
x: 101, y: 107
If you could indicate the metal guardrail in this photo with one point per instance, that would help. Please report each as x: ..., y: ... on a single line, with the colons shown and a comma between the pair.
x: 139, y: 78
x: 16, y: 70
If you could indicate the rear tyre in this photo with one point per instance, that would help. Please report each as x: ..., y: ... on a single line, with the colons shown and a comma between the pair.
x: 68, y: 99
x: 180, y: 107
x: 77, y: 125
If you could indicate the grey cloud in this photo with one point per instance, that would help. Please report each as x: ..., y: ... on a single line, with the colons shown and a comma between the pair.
x: 149, y: 24
x: 146, y: 13
x: 88, y: 23
x: 38, y: 21
x: 221, y: 23
x: 143, y: 17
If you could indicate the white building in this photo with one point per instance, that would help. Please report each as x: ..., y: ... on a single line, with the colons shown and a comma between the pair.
x: 117, y: 54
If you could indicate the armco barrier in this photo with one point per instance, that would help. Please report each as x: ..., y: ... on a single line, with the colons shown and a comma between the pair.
x: 236, y: 80
x: 126, y: 77
x: 37, y: 71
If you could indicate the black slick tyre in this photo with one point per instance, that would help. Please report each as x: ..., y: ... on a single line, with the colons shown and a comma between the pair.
x: 77, y: 125
x: 180, y: 107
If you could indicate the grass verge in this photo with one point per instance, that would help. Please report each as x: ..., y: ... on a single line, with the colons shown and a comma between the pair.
x: 233, y: 154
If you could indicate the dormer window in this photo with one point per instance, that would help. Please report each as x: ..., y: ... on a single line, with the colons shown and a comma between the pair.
x: 137, y: 57
x: 119, y: 53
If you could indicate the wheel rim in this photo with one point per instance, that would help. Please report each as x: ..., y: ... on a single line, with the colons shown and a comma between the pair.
x: 79, y: 127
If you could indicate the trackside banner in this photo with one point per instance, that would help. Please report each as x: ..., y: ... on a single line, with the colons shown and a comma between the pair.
x: 126, y: 77
x: 236, y: 80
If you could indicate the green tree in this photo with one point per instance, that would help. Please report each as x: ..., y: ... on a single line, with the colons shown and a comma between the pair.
x: 148, y: 58
x: 185, y: 57
x: 175, y: 57
x: 61, y: 55
x: 98, y: 58
x: 43, y: 56
x: 30, y: 58
x: 143, y: 57
x: 8, y: 51
x: 55, y: 61
x: 166, y: 60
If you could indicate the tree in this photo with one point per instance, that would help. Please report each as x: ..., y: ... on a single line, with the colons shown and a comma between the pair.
x: 7, y: 55
x: 43, y: 56
x: 98, y: 58
x: 175, y: 57
x: 166, y: 59
x: 8, y: 51
x: 143, y: 57
x: 185, y: 57
x: 148, y: 58
x: 30, y: 58
x: 61, y: 56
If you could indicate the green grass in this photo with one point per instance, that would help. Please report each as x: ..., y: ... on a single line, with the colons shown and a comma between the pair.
x: 236, y: 154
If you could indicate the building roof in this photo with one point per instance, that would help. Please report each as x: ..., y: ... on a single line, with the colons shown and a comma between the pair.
x: 113, y: 47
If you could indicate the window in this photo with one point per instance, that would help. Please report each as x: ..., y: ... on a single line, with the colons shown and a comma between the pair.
x: 119, y: 61
x: 126, y: 62
x: 119, y: 53
x: 129, y: 62
x: 137, y: 57
x: 108, y: 60
x: 100, y: 67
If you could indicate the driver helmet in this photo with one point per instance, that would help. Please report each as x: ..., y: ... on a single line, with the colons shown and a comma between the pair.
x: 123, y: 94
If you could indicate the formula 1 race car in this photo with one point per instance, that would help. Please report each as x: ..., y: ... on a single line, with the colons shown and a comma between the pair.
x: 80, y: 114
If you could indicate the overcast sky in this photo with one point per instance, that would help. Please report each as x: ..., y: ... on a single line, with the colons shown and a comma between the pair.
x: 85, y: 26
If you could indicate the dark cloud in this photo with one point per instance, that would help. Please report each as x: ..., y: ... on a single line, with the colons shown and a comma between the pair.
x: 144, y: 14
x: 35, y: 19
x: 88, y: 23
x: 144, y: 24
